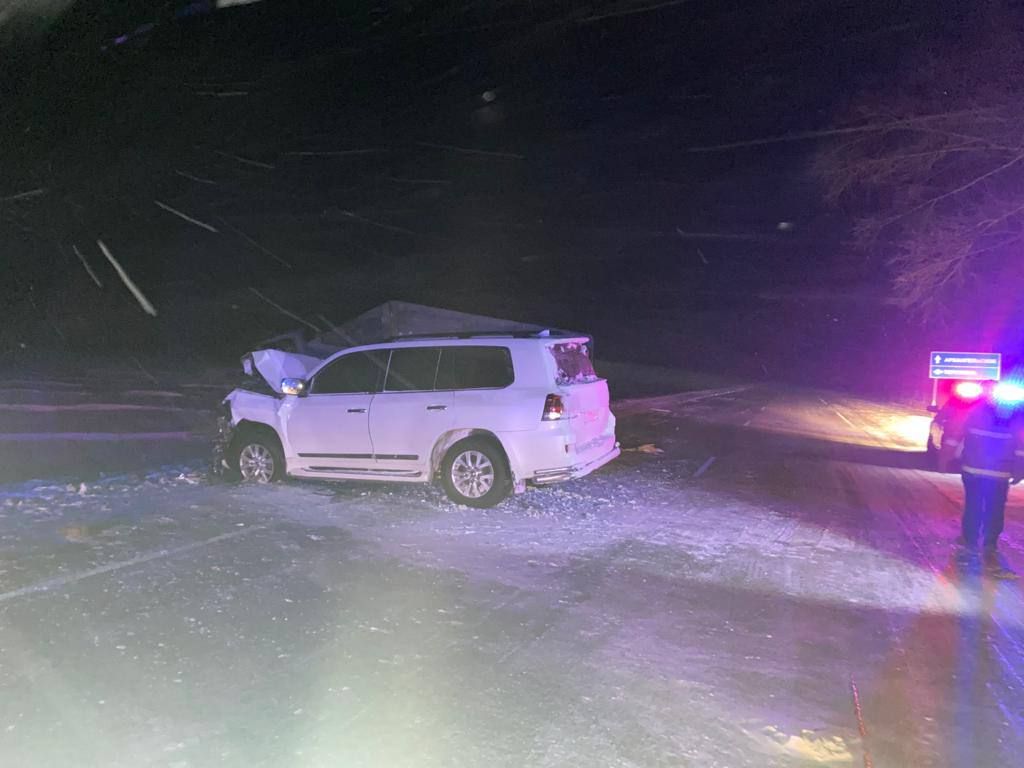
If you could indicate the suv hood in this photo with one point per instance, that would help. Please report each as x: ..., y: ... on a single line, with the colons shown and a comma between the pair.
x: 274, y: 365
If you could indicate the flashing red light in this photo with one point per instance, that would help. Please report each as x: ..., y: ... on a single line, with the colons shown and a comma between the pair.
x: 968, y: 390
x: 554, y: 408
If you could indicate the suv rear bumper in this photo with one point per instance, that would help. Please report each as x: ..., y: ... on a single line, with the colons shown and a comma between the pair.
x: 561, y: 474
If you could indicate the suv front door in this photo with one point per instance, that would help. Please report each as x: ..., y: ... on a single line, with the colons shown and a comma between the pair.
x: 408, y: 417
x: 330, y: 427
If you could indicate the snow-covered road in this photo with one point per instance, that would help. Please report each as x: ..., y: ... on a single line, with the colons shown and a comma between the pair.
x: 104, y: 420
x: 772, y: 588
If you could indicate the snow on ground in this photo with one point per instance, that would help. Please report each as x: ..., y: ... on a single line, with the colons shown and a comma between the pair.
x: 652, y: 614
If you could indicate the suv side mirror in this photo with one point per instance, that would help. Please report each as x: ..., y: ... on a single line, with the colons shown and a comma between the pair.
x: 294, y: 387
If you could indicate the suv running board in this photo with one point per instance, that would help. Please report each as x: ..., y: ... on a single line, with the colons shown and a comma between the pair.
x: 378, y: 472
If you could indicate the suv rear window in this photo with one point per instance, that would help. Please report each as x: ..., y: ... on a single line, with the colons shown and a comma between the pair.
x: 572, y: 363
x: 475, y: 368
x: 412, y: 369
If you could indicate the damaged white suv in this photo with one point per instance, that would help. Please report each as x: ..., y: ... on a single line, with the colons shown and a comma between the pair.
x: 483, y: 414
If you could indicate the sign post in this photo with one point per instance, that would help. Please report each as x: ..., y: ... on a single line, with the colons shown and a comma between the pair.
x: 965, y: 366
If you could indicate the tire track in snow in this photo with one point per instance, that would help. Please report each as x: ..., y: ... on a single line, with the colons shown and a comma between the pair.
x: 901, y: 501
x: 50, y: 585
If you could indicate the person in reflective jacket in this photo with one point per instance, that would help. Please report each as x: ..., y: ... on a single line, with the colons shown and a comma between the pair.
x: 992, y: 456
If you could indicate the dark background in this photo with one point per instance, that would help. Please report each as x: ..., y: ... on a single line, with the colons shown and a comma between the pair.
x: 594, y: 212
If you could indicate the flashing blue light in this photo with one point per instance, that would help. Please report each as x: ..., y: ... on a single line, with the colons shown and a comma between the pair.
x: 1008, y: 393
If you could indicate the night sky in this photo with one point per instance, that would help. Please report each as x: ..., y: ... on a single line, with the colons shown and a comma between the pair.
x: 530, y: 160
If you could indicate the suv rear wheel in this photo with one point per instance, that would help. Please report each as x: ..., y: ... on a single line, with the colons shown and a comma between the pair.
x: 258, y: 458
x: 475, y: 473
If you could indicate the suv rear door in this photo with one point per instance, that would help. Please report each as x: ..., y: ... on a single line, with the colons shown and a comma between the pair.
x: 480, y: 377
x: 408, y: 416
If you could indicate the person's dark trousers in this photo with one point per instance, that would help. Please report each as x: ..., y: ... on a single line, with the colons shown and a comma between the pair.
x: 984, y: 502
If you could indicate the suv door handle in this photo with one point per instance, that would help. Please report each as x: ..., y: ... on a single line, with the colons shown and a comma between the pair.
x: 357, y: 410
x: 437, y: 407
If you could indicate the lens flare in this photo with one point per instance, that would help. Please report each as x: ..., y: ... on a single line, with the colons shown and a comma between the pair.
x: 968, y: 390
x: 1008, y: 393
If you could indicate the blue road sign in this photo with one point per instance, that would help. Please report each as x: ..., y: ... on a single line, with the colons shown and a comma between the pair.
x: 973, y: 366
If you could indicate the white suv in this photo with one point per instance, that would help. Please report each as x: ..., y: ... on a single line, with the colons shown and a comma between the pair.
x: 486, y: 415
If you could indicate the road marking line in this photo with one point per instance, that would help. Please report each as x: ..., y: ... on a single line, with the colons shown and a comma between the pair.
x: 39, y: 437
x: 682, y: 397
x: 62, y: 581
x: 704, y: 467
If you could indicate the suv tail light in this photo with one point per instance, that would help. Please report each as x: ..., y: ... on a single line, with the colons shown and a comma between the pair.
x: 554, y: 408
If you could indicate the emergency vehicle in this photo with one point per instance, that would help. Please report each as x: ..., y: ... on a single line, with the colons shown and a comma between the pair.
x: 947, y: 429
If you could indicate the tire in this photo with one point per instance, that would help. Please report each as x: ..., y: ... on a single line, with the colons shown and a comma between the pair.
x: 256, y: 457
x: 475, y: 473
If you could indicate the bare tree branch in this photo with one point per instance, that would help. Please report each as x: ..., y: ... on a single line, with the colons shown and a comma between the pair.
x: 957, y: 191
x: 937, y: 164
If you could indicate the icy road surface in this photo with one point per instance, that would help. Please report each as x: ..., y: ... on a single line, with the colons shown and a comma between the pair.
x: 773, y: 589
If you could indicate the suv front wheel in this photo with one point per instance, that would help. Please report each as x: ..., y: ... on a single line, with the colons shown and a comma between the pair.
x: 258, y: 458
x: 475, y: 473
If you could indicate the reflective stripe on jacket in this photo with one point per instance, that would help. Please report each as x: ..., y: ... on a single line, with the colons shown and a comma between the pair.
x: 991, y: 444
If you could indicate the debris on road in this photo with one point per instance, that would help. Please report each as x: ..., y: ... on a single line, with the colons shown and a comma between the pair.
x: 808, y: 745
x: 648, y: 448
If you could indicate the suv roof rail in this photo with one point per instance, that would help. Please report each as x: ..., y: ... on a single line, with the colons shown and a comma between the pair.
x: 546, y: 332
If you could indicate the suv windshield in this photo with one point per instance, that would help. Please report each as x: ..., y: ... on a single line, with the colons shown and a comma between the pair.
x: 572, y: 363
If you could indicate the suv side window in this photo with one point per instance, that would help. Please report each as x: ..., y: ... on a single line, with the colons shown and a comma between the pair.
x: 349, y: 374
x: 475, y: 368
x: 412, y: 369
